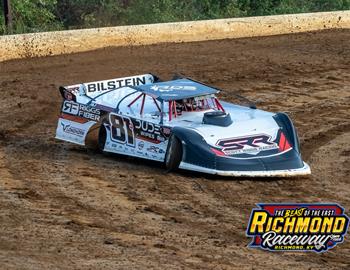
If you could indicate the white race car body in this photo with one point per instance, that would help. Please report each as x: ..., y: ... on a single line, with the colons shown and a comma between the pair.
x: 138, y: 115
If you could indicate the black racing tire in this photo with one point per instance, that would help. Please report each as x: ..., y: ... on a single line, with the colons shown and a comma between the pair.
x: 173, y: 154
x: 102, y: 137
x: 92, y: 138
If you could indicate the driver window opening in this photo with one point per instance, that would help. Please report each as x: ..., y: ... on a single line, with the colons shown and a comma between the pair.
x: 195, y: 104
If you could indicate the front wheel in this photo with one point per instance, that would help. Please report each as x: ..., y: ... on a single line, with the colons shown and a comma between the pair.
x: 173, y: 154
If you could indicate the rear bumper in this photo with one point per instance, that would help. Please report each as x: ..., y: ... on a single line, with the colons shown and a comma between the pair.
x: 305, y: 170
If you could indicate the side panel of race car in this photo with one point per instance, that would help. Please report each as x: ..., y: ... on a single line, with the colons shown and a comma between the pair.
x: 136, y: 137
x: 72, y: 131
x: 77, y: 118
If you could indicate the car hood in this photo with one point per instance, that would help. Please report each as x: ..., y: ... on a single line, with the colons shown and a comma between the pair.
x: 264, y: 125
x: 245, y: 122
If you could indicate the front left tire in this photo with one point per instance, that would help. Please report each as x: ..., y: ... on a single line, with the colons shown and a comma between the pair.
x: 173, y: 154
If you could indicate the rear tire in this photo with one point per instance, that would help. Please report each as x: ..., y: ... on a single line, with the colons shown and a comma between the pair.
x: 173, y: 154
x: 102, y: 136
x: 91, y: 140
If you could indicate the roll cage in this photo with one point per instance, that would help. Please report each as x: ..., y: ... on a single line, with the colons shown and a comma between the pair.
x: 176, y: 107
x: 173, y: 97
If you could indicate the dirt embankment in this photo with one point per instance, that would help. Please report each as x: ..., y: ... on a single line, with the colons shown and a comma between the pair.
x: 66, y: 207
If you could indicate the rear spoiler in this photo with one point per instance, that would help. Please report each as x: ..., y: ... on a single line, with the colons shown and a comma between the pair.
x: 93, y: 89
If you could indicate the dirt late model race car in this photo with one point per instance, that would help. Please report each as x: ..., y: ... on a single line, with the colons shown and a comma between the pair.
x: 182, y: 124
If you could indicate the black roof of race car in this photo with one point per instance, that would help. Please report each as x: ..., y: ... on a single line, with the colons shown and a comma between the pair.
x: 176, y: 89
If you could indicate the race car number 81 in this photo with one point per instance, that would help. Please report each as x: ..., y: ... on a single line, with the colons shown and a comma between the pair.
x: 122, y: 129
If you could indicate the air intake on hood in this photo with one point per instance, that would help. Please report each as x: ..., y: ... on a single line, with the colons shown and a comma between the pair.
x: 217, y: 118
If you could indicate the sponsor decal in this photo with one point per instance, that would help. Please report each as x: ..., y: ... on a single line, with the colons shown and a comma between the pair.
x: 149, y: 131
x: 67, y: 128
x: 70, y: 107
x: 297, y: 227
x: 247, y: 145
x: 81, y: 110
x: 114, y: 84
x: 73, y: 89
x: 125, y: 130
x: 170, y: 88
x: 155, y: 149
x: 68, y: 95
x: 140, y: 145
x: 166, y: 131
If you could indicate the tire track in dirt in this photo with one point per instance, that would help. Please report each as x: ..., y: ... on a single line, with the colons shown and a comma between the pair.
x: 322, y: 139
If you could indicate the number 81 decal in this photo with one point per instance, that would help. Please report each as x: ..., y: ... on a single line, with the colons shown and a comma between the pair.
x: 122, y: 130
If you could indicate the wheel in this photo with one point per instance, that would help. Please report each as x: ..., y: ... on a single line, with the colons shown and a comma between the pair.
x: 102, y: 136
x: 173, y: 154
x: 91, y: 140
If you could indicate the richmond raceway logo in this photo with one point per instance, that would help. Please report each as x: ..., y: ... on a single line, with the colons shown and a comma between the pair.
x: 247, y: 145
x: 297, y: 227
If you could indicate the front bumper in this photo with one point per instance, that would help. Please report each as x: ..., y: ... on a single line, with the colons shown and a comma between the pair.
x: 199, y: 156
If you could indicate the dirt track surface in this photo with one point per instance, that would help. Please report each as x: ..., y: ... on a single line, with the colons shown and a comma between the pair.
x: 65, y: 207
